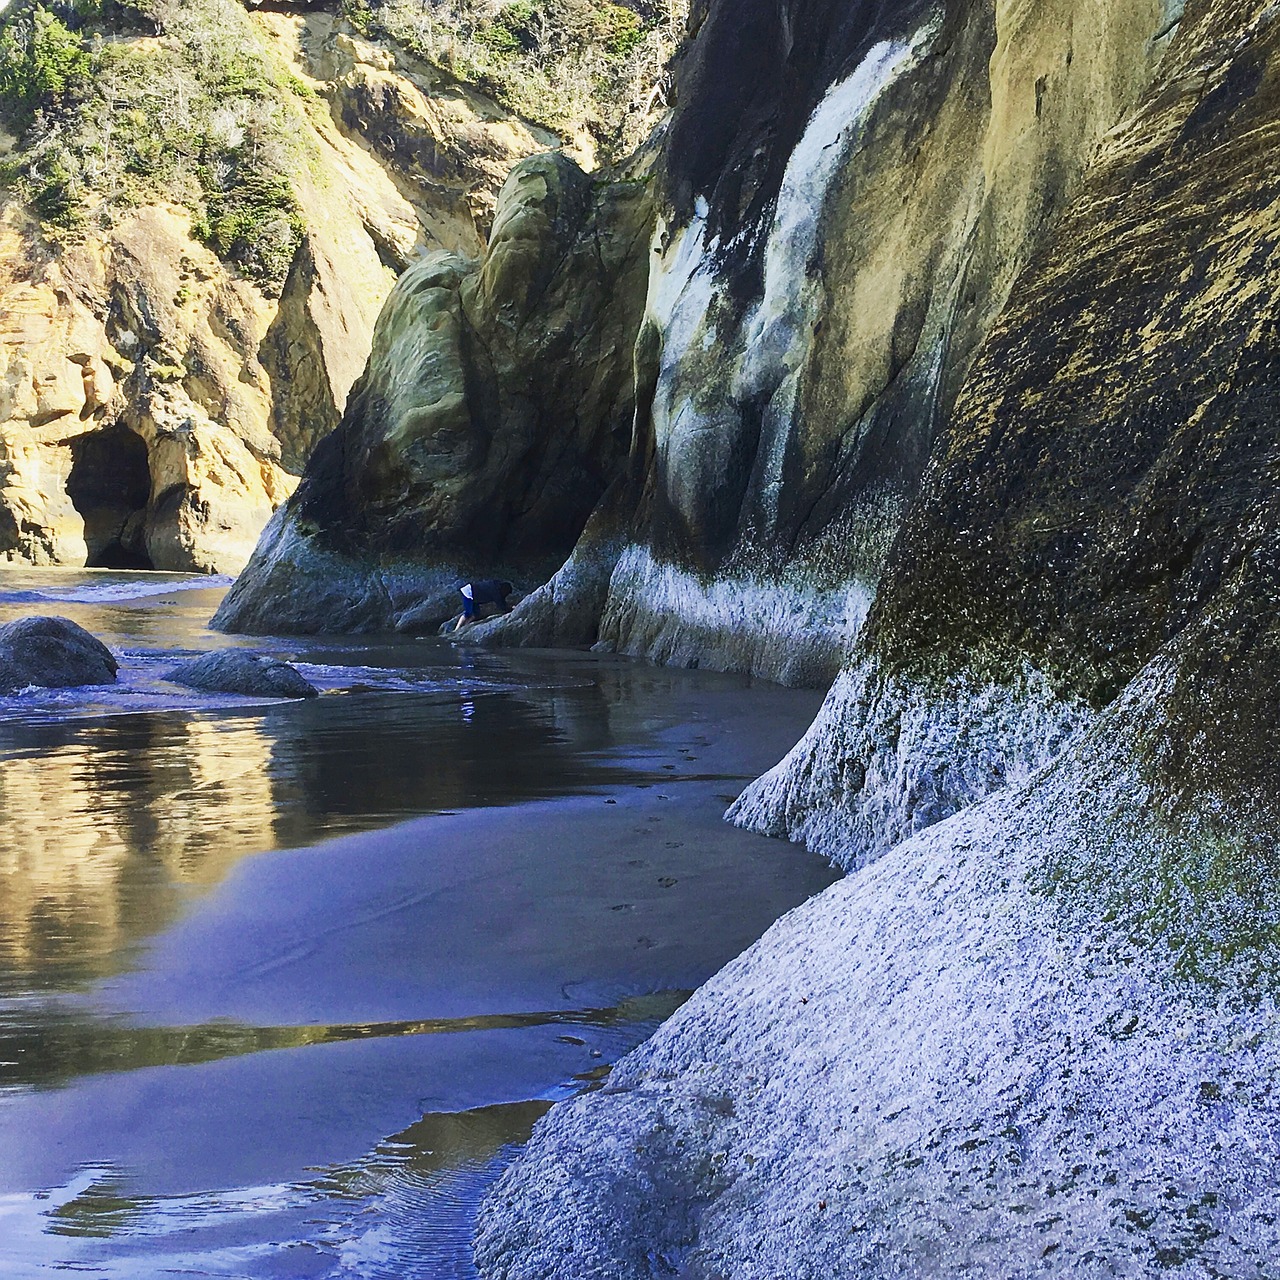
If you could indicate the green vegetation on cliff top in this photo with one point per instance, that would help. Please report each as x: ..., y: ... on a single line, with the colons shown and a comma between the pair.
x: 564, y: 64
x: 117, y: 103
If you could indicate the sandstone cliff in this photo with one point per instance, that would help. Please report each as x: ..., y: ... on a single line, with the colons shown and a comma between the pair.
x: 158, y: 399
x: 844, y: 200
x: 496, y: 410
x: 952, y: 371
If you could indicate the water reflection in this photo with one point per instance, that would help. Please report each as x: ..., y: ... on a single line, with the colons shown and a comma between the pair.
x: 201, y: 1049
x: 109, y: 824
x: 67, y: 1045
x: 104, y: 825
x: 406, y: 1209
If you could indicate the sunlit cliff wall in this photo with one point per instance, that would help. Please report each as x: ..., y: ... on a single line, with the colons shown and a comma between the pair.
x: 843, y: 197
x: 157, y: 402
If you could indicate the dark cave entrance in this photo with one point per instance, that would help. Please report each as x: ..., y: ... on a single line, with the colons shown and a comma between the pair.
x: 109, y: 486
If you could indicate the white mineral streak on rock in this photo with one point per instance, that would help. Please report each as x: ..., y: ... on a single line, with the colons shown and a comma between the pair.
x: 779, y: 333
x: 790, y: 629
x: 886, y: 758
x: 946, y: 1064
x: 682, y: 288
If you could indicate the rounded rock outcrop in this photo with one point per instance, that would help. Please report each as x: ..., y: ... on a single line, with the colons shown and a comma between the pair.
x: 52, y: 653
x: 235, y: 671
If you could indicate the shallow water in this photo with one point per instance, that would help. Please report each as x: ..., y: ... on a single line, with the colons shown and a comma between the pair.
x: 284, y: 985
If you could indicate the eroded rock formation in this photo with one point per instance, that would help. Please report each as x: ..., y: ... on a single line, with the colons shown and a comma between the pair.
x: 844, y: 198
x: 497, y: 409
x: 1103, y: 488
x: 156, y: 408
x: 954, y: 370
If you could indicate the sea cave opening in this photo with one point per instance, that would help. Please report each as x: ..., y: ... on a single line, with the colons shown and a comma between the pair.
x: 109, y: 485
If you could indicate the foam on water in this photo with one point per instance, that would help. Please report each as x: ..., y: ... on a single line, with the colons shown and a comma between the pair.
x: 114, y: 590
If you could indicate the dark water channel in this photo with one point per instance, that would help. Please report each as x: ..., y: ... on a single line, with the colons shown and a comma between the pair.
x: 284, y: 986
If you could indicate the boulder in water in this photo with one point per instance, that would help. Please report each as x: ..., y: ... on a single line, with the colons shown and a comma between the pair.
x: 235, y: 671
x: 52, y: 653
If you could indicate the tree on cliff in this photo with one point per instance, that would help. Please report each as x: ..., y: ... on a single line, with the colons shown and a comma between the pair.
x: 116, y: 104
x: 565, y: 64
x: 41, y: 60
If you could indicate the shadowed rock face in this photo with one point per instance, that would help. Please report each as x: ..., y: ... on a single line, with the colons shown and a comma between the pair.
x: 746, y: 92
x: 52, y: 653
x: 845, y: 196
x: 1002, y: 1045
x: 1106, y: 486
x: 496, y: 410
x: 1110, y: 471
x: 815, y: 332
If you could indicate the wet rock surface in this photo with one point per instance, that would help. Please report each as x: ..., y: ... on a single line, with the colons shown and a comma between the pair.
x: 52, y: 653
x: 235, y: 671
x: 1032, y: 1040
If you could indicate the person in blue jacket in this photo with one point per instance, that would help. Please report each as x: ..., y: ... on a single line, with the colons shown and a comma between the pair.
x: 480, y: 592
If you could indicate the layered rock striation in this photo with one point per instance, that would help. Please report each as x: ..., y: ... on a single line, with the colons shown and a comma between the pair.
x: 496, y: 411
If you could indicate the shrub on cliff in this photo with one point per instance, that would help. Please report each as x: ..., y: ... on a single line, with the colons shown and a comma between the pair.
x: 565, y: 64
x: 120, y: 103
x: 41, y: 60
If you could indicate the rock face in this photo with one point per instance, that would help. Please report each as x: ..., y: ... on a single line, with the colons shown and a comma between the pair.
x: 954, y: 374
x: 1104, y: 487
x: 845, y: 196
x: 234, y: 671
x: 1034, y: 1040
x: 155, y: 408
x: 496, y: 410
x: 1032, y: 1033
x: 52, y: 653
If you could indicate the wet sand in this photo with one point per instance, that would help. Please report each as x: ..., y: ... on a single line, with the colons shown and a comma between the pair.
x: 313, y: 1054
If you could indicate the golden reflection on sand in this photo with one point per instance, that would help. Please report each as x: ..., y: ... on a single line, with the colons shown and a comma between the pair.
x: 102, y: 837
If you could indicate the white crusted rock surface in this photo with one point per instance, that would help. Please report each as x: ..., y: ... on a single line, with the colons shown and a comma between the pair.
x: 792, y: 631
x: 982, y: 1055
x: 887, y: 757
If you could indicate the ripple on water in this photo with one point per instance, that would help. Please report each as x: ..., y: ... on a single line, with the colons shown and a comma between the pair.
x: 408, y: 1209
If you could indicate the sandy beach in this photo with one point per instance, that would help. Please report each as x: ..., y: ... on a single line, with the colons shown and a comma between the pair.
x: 246, y: 982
